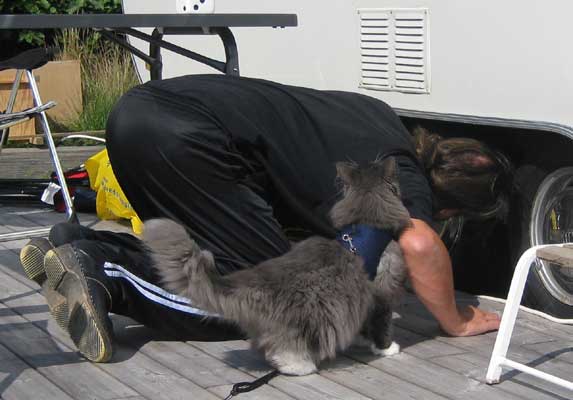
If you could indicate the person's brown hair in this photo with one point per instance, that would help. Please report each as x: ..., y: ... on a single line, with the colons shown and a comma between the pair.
x: 465, y: 174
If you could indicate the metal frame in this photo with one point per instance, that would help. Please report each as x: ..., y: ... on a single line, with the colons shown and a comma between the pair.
x: 499, y: 355
x: 554, y: 185
x: 230, y: 66
x: 72, y: 217
x: 544, y: 126
x: 163, y: 24
x: 61, y: 21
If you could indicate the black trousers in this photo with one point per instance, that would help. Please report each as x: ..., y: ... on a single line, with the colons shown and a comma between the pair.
x: 175, y: 161
x: 127, y: 273
x: 191, y: 173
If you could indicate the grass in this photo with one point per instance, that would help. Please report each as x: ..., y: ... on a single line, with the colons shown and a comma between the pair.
x: 107, y: 72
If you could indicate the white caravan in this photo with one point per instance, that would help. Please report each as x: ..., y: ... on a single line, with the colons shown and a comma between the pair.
x: 501, y: 71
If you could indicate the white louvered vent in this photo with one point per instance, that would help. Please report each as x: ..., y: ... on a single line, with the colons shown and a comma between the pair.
x: 394, y: 49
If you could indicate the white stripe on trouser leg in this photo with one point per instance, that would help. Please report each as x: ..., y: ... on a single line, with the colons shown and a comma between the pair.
x: 152, y: 292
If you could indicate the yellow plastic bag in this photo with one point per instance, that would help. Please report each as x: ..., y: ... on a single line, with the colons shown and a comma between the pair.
x: 111, y: 203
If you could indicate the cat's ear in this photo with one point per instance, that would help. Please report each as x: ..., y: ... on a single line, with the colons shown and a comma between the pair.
x: 389, y: 167
x: 346, y: 171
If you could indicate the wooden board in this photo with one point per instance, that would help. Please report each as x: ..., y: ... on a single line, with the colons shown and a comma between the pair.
x: 38, y: 359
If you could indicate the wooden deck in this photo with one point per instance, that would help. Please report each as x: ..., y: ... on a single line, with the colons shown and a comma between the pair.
x: 20, y: 163
x: 38, y: 360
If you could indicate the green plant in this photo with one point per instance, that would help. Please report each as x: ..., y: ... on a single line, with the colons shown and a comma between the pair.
x: 104, y: 81
x: 35, y: 38
x: 107, y: 73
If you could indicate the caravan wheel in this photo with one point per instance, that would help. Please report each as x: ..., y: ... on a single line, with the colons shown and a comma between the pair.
x: 550, y: 287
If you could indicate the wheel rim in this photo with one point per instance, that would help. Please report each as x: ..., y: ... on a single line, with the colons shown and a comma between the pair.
x: 450, y: 231
x: 552, y: 222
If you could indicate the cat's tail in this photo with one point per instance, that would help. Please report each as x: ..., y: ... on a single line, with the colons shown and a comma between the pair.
x: 183, y: 267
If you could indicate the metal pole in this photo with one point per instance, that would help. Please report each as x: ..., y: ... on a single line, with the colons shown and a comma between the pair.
x: 231, y: 52
x: 52, y: 147
x: 156, y: 67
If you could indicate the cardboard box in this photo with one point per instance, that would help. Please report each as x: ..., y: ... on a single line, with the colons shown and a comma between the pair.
x: 59, y: 81
x: 24, y: 100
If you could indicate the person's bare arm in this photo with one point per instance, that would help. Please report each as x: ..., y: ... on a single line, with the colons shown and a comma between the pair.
x: 430, y: 272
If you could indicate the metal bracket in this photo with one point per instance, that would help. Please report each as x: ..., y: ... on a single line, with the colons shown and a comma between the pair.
x: 156, y: 43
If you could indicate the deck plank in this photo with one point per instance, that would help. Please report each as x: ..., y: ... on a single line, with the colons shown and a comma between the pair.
x: 194, y: 364
x: 184, y: 359
x: 136, y: 369
x: 20, y: 381
x: 10, y: 265
x: 558, y: 349
x: 264, y: 392
x: 34, y: 350
x: 482, y: 346
x: 374, y: 383
x: 512, y: 383
x: 430, y: 376
x: 13, y: 223
x: 151, y: 379
x: 466, y: 363
x: 238, y: 354
x: 55, y: 362
x: 532, y: 321
x: 14, y: 245
x: 36, y: 163
x: 23, y: 312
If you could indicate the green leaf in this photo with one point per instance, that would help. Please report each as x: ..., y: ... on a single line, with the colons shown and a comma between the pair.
x: 32, y: 38
x: 44, y: 4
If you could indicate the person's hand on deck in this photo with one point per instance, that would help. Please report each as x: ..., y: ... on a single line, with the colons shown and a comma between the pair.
x: 476, y: 321
x: 430, y: 272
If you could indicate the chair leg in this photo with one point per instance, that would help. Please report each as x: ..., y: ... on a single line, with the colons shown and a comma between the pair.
x: 52, y: 147
x: 514, y: 296
x: 11, y: 102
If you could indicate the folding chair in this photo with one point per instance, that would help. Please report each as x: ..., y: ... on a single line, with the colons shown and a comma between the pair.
x: 561, y: 254
x: 25, y: 63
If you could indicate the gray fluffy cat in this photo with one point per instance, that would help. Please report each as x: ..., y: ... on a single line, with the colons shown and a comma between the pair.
x: 304, y: 306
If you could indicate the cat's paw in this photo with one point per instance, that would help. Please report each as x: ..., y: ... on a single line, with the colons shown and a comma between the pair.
x: 298, y: 369
x: 292, y: 364
x: 391, y: 350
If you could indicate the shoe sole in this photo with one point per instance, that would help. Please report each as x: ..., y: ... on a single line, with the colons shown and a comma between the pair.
x: 32, y: 260
x: 72, y: 307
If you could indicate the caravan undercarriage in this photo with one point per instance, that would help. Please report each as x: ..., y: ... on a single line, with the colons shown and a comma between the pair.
x: 484, y: 253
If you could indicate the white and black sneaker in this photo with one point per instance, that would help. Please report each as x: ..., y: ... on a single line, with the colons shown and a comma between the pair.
x: 32, y: 259
x: 80, y: 300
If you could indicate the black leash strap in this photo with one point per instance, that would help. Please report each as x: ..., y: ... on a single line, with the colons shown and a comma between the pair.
x: 244, y: 387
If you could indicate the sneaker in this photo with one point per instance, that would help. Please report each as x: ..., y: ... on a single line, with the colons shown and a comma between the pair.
x: 32, y: 259
x: 80, y: 301
x: 67, y: 232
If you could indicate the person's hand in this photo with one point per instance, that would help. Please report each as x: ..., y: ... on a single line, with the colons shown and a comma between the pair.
x: 475, y: 322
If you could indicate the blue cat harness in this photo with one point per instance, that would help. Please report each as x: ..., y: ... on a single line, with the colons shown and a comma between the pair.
x: 367, y: 242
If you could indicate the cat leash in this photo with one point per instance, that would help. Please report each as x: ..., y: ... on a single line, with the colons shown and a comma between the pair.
x: 244, y: 387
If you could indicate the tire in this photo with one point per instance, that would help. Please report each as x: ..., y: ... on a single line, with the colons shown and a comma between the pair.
x: 543, y: 215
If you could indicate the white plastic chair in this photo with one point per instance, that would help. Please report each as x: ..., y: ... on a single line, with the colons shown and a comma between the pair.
x: 561, y: 254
